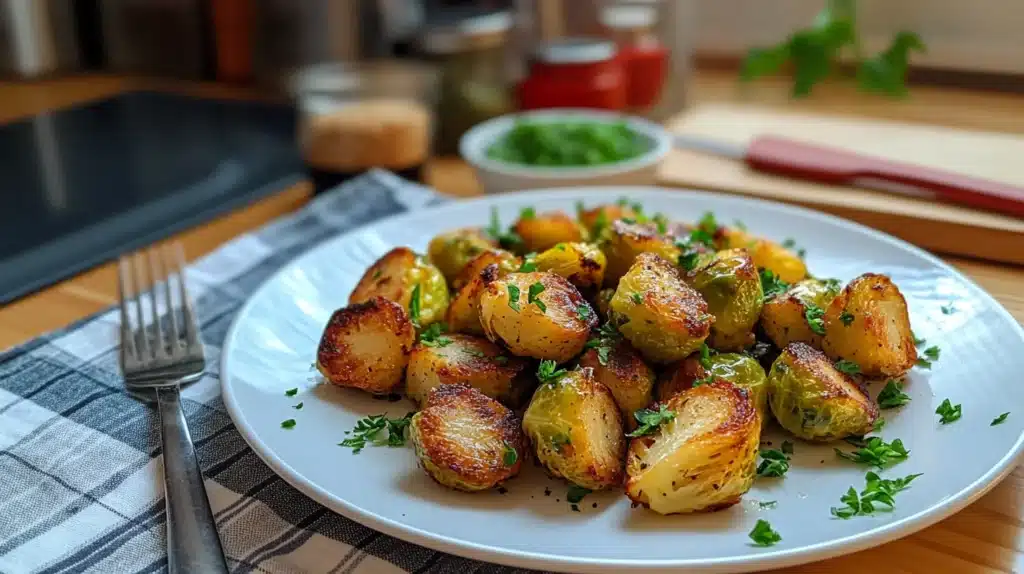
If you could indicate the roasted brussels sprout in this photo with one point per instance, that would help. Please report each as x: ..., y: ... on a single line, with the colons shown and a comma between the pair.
x: 731, y: 286
x: 542, y: 231
x: 466, y: 440
x: 621, y: 368
x: 766, y: 254
x: 366, y: 346
x: 664, y: 318
x: 784, y: 318
x: 400, y: 275
x: 741, y: 370
x: 538, y: 314
x: 581, y: 263
x: 576, y: 430
x: 464, y: 310
x: 868, y: 323
x: 603, y: 302
x: 596, y: 219
x: 813, y: 400
x: 452, y: 250
x: 450, y: 359
x: 621, y: 242
x: 506, y: 261
x: 703, y: 459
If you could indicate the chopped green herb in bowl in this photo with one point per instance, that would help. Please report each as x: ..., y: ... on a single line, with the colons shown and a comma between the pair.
x: 568, y: 143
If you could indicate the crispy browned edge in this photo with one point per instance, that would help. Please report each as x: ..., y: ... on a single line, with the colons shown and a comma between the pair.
x: 822, y: 368
x: 331, y: 353
x: 382, y: 285
x: 696, y: 318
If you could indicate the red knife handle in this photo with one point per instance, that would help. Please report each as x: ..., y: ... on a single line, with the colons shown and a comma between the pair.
x: 834, y: 166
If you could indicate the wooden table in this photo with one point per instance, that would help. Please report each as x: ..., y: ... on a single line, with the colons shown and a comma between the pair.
x: 986, y: 537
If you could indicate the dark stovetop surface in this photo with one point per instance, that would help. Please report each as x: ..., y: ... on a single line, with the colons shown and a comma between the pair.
x: 81, y: 186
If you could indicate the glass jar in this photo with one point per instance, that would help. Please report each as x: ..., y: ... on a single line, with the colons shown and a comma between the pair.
x: 644, y: 58
x: 574, y: 73
x: 473, y: 87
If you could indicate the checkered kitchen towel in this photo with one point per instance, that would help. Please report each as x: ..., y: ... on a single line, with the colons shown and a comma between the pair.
x: 80, y: 462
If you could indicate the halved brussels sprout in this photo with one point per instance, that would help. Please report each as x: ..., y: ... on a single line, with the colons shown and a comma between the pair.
x: 581, y: 263
x: 542, y: 231
x: 451, y: 358
x: 787, y: 265
x: 784, y: 317
x: 409, y: 280
x: 576, y: 430
x: 813, y: 400
x: 366, y: 346
x: 506, y: 261
x: 622, y: 369
x: 731, y: 286
x: 622, y: 242
x: 452, y: 250
x: 739, y: 369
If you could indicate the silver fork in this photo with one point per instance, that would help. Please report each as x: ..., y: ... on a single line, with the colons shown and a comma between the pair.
x: 161, y: 354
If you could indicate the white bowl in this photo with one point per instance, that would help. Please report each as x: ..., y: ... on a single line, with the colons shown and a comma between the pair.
x: 498, y: 176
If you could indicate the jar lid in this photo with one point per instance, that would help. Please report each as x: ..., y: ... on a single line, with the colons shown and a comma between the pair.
x: 629, y: 17
x: 575, y: 51
x: 468, y: 33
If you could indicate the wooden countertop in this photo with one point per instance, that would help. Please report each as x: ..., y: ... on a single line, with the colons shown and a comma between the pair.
x: 988, y: 536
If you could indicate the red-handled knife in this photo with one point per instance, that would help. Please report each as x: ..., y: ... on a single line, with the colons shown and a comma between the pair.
x: 783, y: 156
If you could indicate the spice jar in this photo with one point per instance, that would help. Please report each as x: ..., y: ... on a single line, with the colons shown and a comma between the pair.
x: 574, y: 73
x: 644, y: 58
x: 473, y: 87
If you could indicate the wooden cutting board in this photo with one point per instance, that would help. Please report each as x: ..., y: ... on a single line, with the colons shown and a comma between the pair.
x: 936, y: 226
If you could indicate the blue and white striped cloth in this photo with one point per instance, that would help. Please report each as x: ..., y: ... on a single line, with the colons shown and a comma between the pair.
x: 80, y: 461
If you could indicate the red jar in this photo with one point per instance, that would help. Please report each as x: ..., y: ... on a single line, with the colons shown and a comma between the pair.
x: 644, y: 58
x: 574, y: 73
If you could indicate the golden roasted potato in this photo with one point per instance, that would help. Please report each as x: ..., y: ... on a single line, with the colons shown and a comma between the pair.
x: 542, y: 231
x: 621, y: 242
x: 466, y: 440
x: 736, y: 368
x: 603, y: 302
x: 464, y: 310
x: 813, y: 400
x: 665, y: 319
x: 576, y: 430
x: 766, y: 254
x: 366, y: 346
x: 506, y: 261
x: 701, y: 460
x: 597, y: 218
x: 731, y: 286
x: 538, y: 314
x: 627, y: 376
x: 400, y: 275
x: 868, y: 323
x: 581, y: 263
x: 784, y: 317
x: 450, y: 359
x: 452, y: 250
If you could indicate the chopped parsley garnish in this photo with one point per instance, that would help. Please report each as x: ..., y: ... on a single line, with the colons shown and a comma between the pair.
x: 917, y: 342
x: 767, y: 504
x: 931, y: 354
x: 600, y: 223
x: 771, y: 284
x: 650, y: 420
x: 529, y: 263
x: 298, y: 406
x: 999, y: 419
x: 703, y: 381
x: 548, y: 372
x: 705, y: 356
x: 510, y: 456
x: 527, y: 213
x: 414, y: 306
x: 764, y: 535
x: 790, y: 243
x: 774, y: 463
x: 513, y: 297
x: 815, y: 317
x: 560, y: 440
x: 377, y: 273
x: 948, y: 309
x: 507, y: 239
x: 580, y: 208
x: 875, y: 451
x: 948, y: 412
x: 878, y: 426
x: 876, y: 491
x: 607, y: 337
x: 846, y: 318
x: 848, y: 367
x: 661, y: 222
x: 533, y: 296
x: 501, y: 359
x: 576, y: 494
x: 787, y: 447
x: 892, y: 395
x: 622, y: 201
x: 369, y: 429
x: 739, y: 225
x: 583, y: 312
x: 688, y: 258
x: 291, y: 392
x: 287, y: 424
x: 433, y: 336
x: 705, y: 231
x: 637, y: 298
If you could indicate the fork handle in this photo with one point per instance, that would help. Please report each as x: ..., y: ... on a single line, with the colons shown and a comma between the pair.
x: 192, y: 541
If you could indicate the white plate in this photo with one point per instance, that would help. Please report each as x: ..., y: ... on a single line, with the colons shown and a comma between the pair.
x: 274, y: 339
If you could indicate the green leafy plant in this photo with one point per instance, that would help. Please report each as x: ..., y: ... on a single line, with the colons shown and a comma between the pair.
x: 814, y: 51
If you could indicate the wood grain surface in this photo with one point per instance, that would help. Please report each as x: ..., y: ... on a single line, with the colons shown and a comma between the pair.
x: 987, y: 536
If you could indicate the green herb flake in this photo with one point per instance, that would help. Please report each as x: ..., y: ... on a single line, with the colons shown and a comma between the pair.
x: 529, y: 263
x: 287, y: 424
x: 298, y: 406
x: 527, y: 213
x: 584, y: 312
x: 507, y: 239
x: 414, y: 306
x: 291, y: 392
x: 787, y: 447
x: 848, y: 367
x: 999, y: 419
x: 948, y: 309
x: 846, y: 318
x: 377, y: 273
x: 501, y: 359
x: 576, y: 494
x: 548, y: 372
x: 513, y: 298
x: 532, y: 297
x: 739, y: 225
x: 649, y: 420
x: 948, y: 412
x: 703, y: 381
x: 636, y: 298
x: 371, y: 430
x: 607, y: 338
x: 878, y: 426
x: 705, y: 356
x: 876, y: 452
x: 774, y: 464
x: 433, y: 336
x: 767, y: 504
x: 815, y: 317
x: 892, y: 395
x: 509, y: 456
x: 876, y: 491
x: 763, y: 534
x: 772, y: 285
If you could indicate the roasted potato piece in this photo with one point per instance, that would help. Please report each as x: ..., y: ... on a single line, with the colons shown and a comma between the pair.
x: 701, y: 460
x: 626, y: 375
x: 538, y: 314
x: 366, y: 346
x: 784, y: 317
x: 576, y: 430
x: 665, y: 319
x: 603, y: 302
x: 741, y: 370
x: 543, y: 231
x: 451, y: 359
x: 452, y: 250
x: 506, y: 261
x: 868, y: 323
x: 731, y: 285
x: 621, y: 242
x: 597, y: 218
x: 766, y: 254
x: 466, y: 440
x: 399, y: 275
x: 464, y: 310
x: 813, y: 400
x: 581, y: 263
